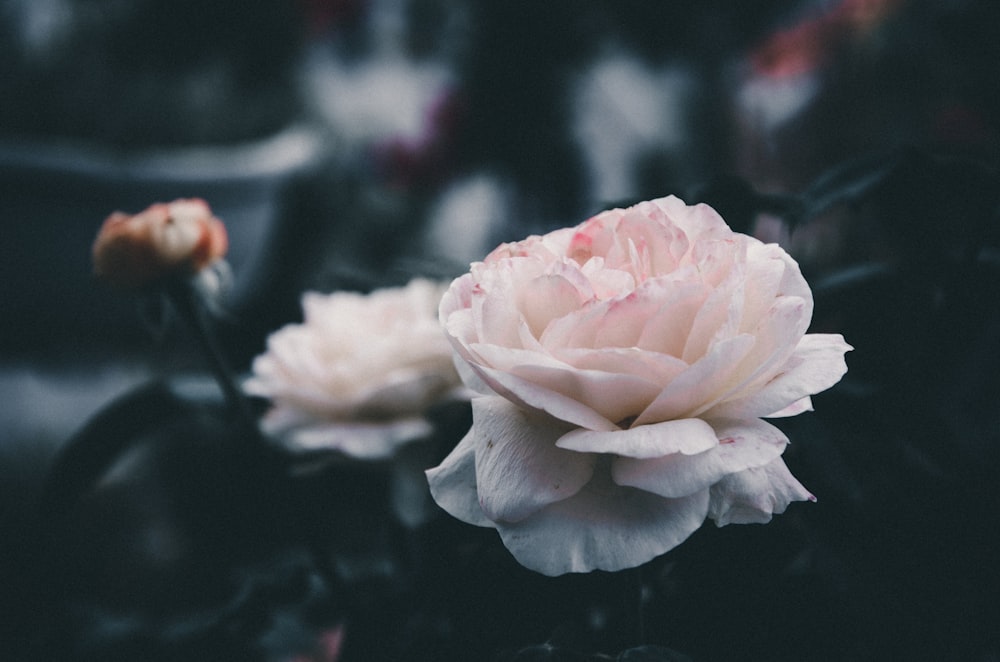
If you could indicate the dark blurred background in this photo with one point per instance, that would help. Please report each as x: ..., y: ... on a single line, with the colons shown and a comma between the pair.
x: 350, y: 144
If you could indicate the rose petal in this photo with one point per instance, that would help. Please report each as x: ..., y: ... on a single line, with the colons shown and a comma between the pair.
x: 687, y: 436
x: 616, y: 322
x: 816, y: 364
x: 453, y: 483
x: 653, y: 367
x: 777, y: 334
x: 459, y: 326
x: 668, y: 329
x: 364, y: 441
x: 794, y: 409
x: 718, y: 318
x: 534, y: 396
x: 548, y: 297
x: 742, y: 444
x: 614, y: 395
x: 792, y: 282
x: 771, y: 274
x: 605, y: 281
x: 699, y: 383
x: 624, y: 318
x: 753, y: 495
x: 457, y: 297
x: 494, y: 308
x: 518, y: 467
x: 603, y: 527
x: 764, y: 273
x: 697, y: 221
x: 469, y: 376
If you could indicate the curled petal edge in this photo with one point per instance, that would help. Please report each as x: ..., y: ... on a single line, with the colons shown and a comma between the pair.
x: 754, y: 495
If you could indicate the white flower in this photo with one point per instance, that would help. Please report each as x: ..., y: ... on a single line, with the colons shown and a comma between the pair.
x: 624, y: 366
x: 359, y: 373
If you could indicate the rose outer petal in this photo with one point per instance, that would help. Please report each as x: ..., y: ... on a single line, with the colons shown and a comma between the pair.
x: 519, y: 469
x: 753, y: 495
x: 742, y: 444
x: 603, y: 527
x: 816, y: 364
x: 776, y: 335
x: 453, y: 483
x: 794, y: 409
x: 686, y: 436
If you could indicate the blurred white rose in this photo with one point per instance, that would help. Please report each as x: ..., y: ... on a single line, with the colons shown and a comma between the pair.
x: 359, y: 373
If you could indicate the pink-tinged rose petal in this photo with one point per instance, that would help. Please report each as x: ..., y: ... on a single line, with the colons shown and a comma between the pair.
x: 458, y: 297
x: 603, y: 527
x: 777, y: 335
x: 518, y: 467
x: 698, y: 383
x: 550, y: 246
x: 697, y: 221
x: 643, y: 245
x: 453, y: 483
x: 616, y: 395
x: 648, y: 365
x: 754, y: 495
x: 772, y: 273
x: 718, y: 318
x: 741, y: 445
x: 533, y: 396
x: 715, y: 258
x: 624, y: 321
x: 546, y: 298
x: 508, y: 359
x: 794, y: 409
x: 687, y: 436
x: 763, y: 283
x: 461, y: 327
x: 495, y: 309
x: 667, y: 330
x: 816, y: 364
x: 792, y: 283
x: 606, y: 283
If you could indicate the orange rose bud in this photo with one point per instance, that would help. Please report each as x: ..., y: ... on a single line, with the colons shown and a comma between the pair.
x: 167, y: 239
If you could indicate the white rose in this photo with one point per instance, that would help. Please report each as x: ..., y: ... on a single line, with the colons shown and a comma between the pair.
x: 624, y: 366
x: 359, y: 373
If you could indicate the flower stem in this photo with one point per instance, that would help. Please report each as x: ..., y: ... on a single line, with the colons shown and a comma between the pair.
x: 189, y: 305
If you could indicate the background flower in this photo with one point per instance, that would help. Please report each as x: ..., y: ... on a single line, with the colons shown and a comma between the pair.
x: 359, y: 373
x: 167, y: 238
x: 625, y: 365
